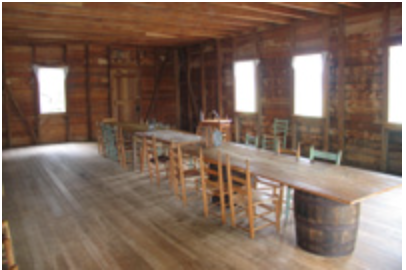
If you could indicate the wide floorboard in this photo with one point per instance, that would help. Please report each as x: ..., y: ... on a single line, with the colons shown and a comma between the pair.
x: 72, y: 209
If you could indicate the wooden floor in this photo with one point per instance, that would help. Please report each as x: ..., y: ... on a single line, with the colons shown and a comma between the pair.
x: 71, y: 209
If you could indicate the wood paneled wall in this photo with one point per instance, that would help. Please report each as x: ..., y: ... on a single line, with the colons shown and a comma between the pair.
x: 88, y: 90
x: 355, y: 84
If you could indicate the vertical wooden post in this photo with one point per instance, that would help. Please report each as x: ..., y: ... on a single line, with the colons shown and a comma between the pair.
x: 110, y: 107
x: 259, y: 87
x: 6, y: 103
x: 37, y: 108
x: 292, y: 87
x: 326, y: 83
x: 67, y: 116
x: 385, y: 85
x: 177, y: 88
x: 88, y: 111
x: 236, y: 116
x: 139, y: 76
x: 189, y: 86
x: 219, y: 78
x: 341, y: 82
x: 203, y: 80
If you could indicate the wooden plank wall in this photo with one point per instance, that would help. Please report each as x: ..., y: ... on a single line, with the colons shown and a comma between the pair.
x: 88, y: 85
x: 354, y: 85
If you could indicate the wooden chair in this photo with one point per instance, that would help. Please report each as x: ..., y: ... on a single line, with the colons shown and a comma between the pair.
x: 100, y: 144
x: 156, y: 163
x: 125, y: 151
x: 213, y: 186
x: 188, y: 179
x: 139, y: 153
x: 270, y: 142
x: 281, y: 129
x: 317, y: 154
x: 289, y: 191
x: 251, y: 140
x: 8, y: 260
x: 246, y: 199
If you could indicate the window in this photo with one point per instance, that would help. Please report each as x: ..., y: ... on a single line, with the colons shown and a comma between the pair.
x: 51, y: 85
x: 308, y: 85
x: 395, y: 85
x: 245, y: 86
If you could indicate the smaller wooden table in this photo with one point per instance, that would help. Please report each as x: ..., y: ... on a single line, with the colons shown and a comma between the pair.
x: 224, y: 125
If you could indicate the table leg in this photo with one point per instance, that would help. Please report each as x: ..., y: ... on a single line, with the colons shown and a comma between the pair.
x: 325, y: 227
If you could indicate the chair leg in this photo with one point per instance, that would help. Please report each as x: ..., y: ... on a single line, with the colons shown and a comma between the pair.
x: 232, y: 208
x: 183, y: 186
x: 158, y: 177
x: 223, y: 207
x: 205, y: 201
x: 251, y: 219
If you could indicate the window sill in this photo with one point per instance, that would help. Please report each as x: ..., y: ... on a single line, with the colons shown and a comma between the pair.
x: 45, y: 115
x: 392, y: 127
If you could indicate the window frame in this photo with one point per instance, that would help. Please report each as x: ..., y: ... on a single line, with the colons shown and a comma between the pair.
x: 324, y: 86
x: 256, y: 87
x: 36, y: 68
x: 389, y: 125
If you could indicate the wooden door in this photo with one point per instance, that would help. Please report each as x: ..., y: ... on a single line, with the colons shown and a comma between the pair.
x: 125, y: 96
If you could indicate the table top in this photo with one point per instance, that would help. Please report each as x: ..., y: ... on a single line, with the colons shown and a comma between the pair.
x: 338, y: 183
x: 168, y: 136
x: 216, y: 121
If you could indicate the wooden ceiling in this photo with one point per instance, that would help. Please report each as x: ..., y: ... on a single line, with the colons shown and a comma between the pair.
x: 155, y: 24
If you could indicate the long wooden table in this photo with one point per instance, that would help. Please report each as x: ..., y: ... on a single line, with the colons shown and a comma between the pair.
x: 327, y: 197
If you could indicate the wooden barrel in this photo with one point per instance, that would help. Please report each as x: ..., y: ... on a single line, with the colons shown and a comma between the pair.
x: 325, y: 227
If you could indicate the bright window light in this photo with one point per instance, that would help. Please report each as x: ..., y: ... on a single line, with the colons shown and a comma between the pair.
x: 51, y: 89
x: 245, y: 86
x: 308, y: 85
x: 396, y: 85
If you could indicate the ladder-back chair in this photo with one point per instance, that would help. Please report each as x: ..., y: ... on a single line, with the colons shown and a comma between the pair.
x: 213, y: 186
x: 156, y: 163
x: 247, y: 198
x: 188, y: 179
x: 124, y: 148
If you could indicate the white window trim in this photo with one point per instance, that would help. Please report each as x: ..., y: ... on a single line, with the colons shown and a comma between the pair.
x: 256, y: 107
x: 324, y: 55
x: 36, y: 69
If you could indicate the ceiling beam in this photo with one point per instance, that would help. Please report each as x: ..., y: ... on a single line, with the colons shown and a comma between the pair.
x: 44, y: 36
x: 211, y: 11
x: 131, y: 14
x: 351, y: 4
x: 61, y: 23
x: 267, y: 9
x: 316, y: 7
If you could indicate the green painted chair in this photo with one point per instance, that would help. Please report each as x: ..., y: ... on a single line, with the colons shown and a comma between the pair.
x: 281, y: 129
x: 251, y: 140
x: 317, y: 154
